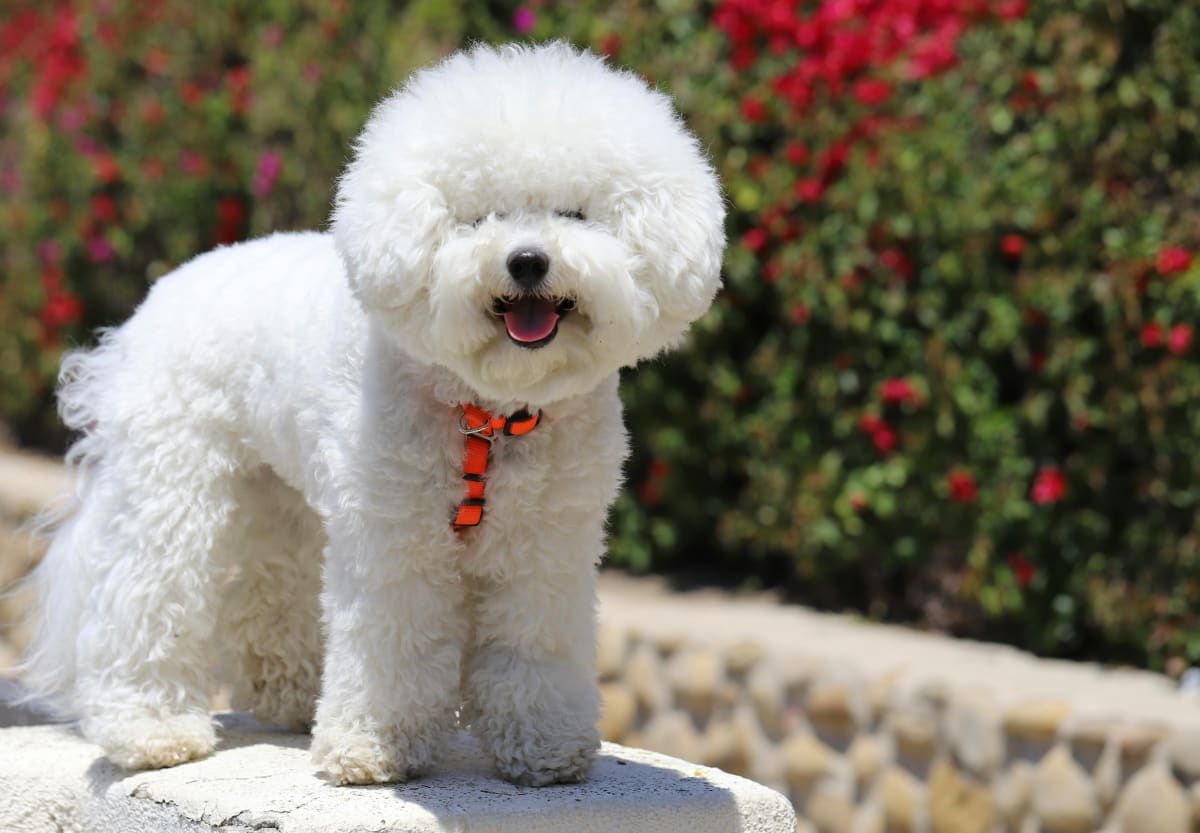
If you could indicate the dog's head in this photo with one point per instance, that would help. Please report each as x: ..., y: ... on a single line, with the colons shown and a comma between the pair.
x: 531, y: 219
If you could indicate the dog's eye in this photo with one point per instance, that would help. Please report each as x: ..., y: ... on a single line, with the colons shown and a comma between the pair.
x: 495, y: 215
x: 571, y: 215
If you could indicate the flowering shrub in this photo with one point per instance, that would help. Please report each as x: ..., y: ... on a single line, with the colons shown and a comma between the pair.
x: 139, y: 134
x: 951, y: 378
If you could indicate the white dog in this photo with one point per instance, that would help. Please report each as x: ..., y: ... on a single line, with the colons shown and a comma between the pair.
x: 285, y: 450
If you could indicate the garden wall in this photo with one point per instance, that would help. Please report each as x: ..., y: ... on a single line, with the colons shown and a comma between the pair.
x: 865, y: 727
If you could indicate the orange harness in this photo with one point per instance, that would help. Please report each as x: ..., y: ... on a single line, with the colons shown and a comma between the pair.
x: 481, y: 429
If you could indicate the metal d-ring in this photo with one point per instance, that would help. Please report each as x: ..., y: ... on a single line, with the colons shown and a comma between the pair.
x: 464, y: 428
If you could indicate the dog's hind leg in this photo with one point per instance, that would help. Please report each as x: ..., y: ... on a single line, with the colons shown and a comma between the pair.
x: 149, y: 584
x: 272, y: 617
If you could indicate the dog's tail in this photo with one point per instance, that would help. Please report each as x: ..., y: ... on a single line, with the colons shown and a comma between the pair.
x: 71, y: 525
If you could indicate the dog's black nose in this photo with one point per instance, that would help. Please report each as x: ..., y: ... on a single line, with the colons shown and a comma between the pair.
x: 528, y: 267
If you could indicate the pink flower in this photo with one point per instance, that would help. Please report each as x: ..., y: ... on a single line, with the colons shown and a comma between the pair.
x: 1050, y: 486
x: 99, y: 250
x: 1172, y: 260
x: 1180, y: 339
x: 524, y: 19
x: 49, y: 252
x: 193, y: 163
x: 269, y: 166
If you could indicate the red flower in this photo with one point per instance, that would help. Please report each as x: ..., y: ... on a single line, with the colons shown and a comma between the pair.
x: 1050, y: 486
x: 105, y: 168
x: 104, y: 208
x: 796, y: 153
x: 231, y: 216
x: 611, y: 44
x: 1152, y: 334
x: 1013, y: 245
x: 898, y: 262
x: 858, y: 501
x: 961, y: 484
x: 1172, y: 260
x: 1023, y: 571
x: 61, y: 308
x: 1011, y: 10
x: 753, y: 110
x: 870, y: 423
x: 872, y: 91
x: 885, y: 439
x: 743, y: 58
x: 809, y: 190
x: 756, y: 238
x: 800, y: 314
x: 897, y: 392
x: 1180, y: 339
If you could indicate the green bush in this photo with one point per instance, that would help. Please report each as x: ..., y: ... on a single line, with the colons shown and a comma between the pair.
x: 951, y: 378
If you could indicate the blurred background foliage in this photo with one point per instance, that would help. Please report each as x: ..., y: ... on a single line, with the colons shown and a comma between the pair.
x: 951, y: 380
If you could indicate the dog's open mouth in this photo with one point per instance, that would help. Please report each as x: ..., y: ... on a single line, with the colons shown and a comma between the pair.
x: 532, y: 321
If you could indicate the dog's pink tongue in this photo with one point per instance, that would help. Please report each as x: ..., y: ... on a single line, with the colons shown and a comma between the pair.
x: 531, y: 319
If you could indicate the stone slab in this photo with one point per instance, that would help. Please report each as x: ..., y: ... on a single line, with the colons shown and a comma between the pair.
x: 51, y: 780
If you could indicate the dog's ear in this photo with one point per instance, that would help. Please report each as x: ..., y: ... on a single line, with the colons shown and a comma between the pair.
x: 388, y: 217
x: 676, y: 224
x: 384, y: 228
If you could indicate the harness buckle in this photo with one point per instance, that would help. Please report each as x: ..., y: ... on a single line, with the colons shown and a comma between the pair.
x: 464, y: 428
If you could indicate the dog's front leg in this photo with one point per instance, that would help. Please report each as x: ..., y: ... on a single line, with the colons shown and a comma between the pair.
x: 393, y: 612
x: 530, y: 683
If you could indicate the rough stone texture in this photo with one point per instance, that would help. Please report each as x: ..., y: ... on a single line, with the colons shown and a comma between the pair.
x: 902, y: 799
x: 867, y: 756
x: 1036, y: 721
x: 1014, y: 795
x: 618, y: 712
x: 262, y: 779
x: 697, y: 676
x: 1183, y: 751
x: 958, y: 803
x: 612, y: 647
x: 1063, y: 798
x: 1154, y: 802
x: 973, y: 733
x: 806, y: 760
x: 830, y: 809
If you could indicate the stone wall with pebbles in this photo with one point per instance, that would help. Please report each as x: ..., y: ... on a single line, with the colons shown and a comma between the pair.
x: 898, y: 738
x: 869, y: 729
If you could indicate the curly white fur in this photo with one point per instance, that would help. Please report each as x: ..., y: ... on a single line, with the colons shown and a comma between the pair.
x: 270, y: 452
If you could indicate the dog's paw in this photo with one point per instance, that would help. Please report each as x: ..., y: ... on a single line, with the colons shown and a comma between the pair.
x: 361, y: 758
x: 540, y: 763
x: 148, y: 742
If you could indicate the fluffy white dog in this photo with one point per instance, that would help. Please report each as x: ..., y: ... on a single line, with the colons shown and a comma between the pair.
x: 285, y: 450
